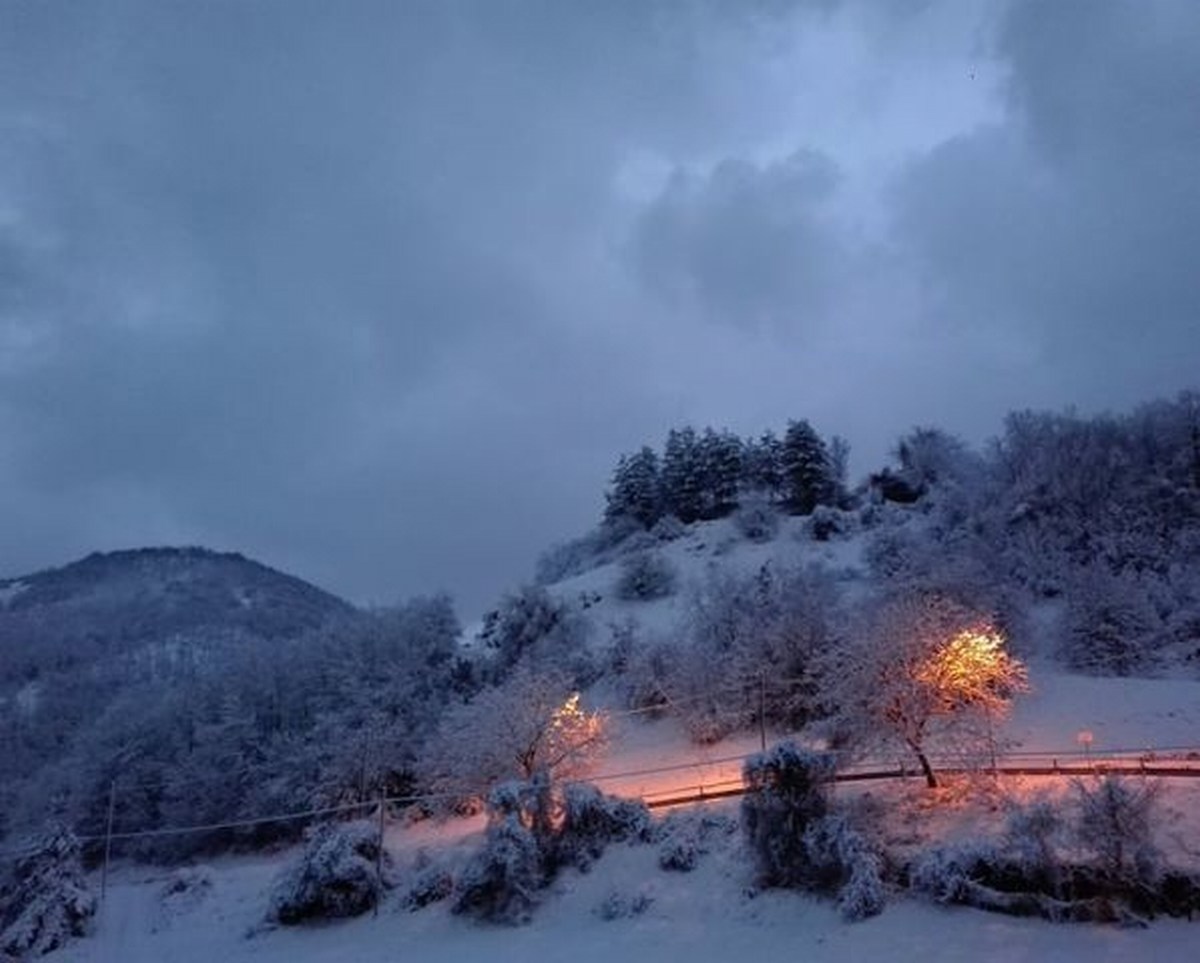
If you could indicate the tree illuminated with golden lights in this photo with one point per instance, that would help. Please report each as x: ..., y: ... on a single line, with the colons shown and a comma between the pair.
x: 930, y: 670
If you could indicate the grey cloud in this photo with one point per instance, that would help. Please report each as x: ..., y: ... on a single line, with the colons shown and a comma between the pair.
x: 1071, y: 226
x: 353, y: 287
x: 745, y: 244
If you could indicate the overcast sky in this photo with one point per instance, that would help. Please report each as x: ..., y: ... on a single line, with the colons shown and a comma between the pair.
x: 377, y: 292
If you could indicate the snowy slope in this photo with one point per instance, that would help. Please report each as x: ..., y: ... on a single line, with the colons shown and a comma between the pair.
x: 707, y: 548
x: 709, y: 914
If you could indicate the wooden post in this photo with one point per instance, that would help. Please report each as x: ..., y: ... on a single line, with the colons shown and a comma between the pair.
x: 379, y: 854
x: 762, y: 711
x: 112, y: 802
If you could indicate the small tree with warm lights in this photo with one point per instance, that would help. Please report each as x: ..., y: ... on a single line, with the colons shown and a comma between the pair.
x: 926, y: 672
x: 531, y: 725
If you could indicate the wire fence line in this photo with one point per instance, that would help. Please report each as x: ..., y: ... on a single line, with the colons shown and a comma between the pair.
x: 867, y: 768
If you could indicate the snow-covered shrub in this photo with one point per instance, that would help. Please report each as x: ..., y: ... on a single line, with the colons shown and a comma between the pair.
x: 431, y: 883
x: 531, y: 628
x: 647, y: 676
x: 827, y: 522
x: 500, y: 884
x: 685, y: 837
x: 592, y: 820
x: 45, y: 900
x: 679, y: 851
x: 1116, y: 827
x: 1032, y: 839
x: 618, y: 906
x: 596, y: 548
x: 948, y: 873
x: 668, y: 529
x: 757, y: 520
x: 1110, y: 627
x: 334, y: 877
x: 645, y: 576
x: 184, y: 890
x: 841, y: 862
x: 787, y: 790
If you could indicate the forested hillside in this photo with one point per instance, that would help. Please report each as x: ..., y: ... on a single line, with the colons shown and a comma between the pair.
x: 207, y: 685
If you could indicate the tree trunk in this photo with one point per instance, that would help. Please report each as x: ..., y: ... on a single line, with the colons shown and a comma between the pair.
x: 930, y: 778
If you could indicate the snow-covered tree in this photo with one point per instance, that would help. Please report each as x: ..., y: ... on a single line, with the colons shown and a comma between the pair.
x: 762, y: 466
x: 531, y: 724
x: 335, y: 876
x: 644, y: 576
x: 45, y: 900
x: 721, y: 469
x: 682, y: 475
x: 636, y: 490
x: 807, y: 476
x: 787, y: 790
x: 927, y: 672
x: 533, y: 627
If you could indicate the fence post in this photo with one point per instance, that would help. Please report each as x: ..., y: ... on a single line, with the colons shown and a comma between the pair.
x: 112, y: 803
x: 379, y: 852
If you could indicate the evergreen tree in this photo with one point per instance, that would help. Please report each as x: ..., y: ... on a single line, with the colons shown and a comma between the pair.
x: 682, y: 475
x: 636, y: 489
x: 762, y: 465
x: 807, y: 476
x: 721, y: 468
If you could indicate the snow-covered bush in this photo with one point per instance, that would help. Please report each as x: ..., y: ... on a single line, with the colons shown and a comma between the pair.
x: 532, y: 628
x: 757, y: 520
x: 431, y: 883
x: 668, y: 529
x: 335, y: 876
x: 645, y: 576
x: 618, y: 906
x: 840, y: 861
x: 679, y: 853
x: 45, y: 899
x: 948, y: 873
x: 501, y: 882
x: 596, y: 548
x: 184, y: 890
x: 1032, y: 838
x: 592, y: 820
x: 1116, y: 827
x: 787, y: 790
x: 685, y: 837
x: 827, y: 522
x: 1111, y: 627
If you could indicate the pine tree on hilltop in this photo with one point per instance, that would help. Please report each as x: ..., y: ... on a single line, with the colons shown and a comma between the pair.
x: 636, y: 489
x: 682, y: 475
x: 721, y: 469
x: 762, y: 468
x: 807, y: 473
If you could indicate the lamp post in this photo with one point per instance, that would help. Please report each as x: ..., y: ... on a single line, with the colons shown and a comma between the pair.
x: 1085, y: 739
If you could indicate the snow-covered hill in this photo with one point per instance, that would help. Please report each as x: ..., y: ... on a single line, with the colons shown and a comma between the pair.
x: 706, y: 915
x: 627, y: 905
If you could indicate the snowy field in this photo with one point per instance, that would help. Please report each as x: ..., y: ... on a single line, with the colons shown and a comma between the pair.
x: 708, y: 914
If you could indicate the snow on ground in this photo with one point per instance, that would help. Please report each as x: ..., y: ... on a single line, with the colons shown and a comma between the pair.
x: 707, y: 916
x: 1121, y: 714
x: 707, y: 547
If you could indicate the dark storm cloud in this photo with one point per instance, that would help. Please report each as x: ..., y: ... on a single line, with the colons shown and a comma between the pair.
x: 378, y: 291
x: 1072, y: 226
x: 292, y: 278
x: 745, y: 243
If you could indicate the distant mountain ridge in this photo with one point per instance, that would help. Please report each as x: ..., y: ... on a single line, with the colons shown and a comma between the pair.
x: 111, y: 602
